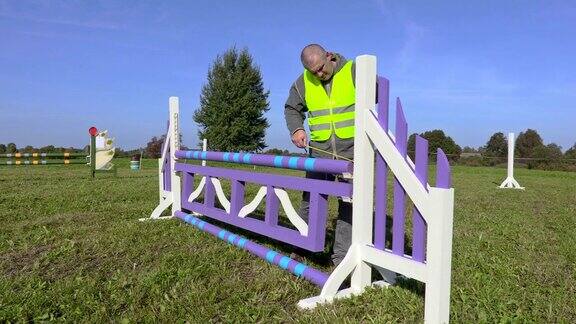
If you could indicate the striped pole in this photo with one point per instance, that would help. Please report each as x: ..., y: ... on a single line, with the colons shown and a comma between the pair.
x: 317, y: 277
x: 41, y: 162
x: 277, y: 161
x: 34, y: 155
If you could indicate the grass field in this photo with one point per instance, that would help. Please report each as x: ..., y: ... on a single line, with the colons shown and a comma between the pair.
x: 71, y: 249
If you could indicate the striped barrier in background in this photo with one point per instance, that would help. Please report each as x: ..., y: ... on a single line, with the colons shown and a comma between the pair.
x: 99, y: 159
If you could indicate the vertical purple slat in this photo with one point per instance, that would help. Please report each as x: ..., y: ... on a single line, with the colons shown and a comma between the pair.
x: 236, y: 197
x: 399, y: 193
x: 443, y: 177
x: 318, y: 212
x: 381, y: 169
x: 418, y: 224
x: 187, y: 185
x: 383, y: 99
x: 164, y: 174
x: 168, y: 171
x: 209, y: 192
x: 272, y: 207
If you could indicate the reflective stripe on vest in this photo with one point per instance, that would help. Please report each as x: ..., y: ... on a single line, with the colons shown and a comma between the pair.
x: 334, y: 113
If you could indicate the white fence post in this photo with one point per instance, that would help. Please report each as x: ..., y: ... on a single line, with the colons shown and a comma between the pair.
x: 204, y: 148
x: 174, y: 146
x: 171, y: 197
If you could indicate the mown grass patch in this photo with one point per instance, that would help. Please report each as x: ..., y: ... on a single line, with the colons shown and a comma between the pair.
x: 71, y: 248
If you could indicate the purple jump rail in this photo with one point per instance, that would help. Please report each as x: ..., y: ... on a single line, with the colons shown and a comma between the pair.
x: 276, y: 161
x: 298, y: 269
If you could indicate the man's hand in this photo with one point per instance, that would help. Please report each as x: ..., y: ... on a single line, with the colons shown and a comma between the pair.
x: 299, y: 138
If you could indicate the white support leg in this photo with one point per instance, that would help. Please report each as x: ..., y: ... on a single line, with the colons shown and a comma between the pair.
x: 169, y: 198
x: 174, y: 146
x: 204, y: 148
x: 510, y: 182
x: 165, y: 197
x: 330, y: 289
x: 439, y: 256
x: 363, y: 194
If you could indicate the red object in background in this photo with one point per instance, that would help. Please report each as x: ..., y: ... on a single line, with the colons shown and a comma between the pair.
x: 93, y: 131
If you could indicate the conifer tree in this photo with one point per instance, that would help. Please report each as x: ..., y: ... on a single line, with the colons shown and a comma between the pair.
x: 232, y: 105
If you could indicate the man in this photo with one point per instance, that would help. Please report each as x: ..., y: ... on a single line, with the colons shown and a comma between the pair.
x: 326, y: 92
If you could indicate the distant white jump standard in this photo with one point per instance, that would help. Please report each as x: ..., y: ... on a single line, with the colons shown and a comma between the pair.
x: 510, y: 182
x: 169, y: 181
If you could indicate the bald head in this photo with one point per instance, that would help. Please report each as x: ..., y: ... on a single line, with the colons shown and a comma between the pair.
x: 319, y: 62
x: 311, y: 53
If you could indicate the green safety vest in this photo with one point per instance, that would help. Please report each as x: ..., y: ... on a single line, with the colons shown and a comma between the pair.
x: 330, y: 113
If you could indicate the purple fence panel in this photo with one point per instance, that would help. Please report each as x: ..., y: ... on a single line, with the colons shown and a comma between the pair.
x: 381, y: 172
x: 418, y: 223
x: 277, y: 161
x: 443, y: 176
x: 398, y: 216
x: 314, y: 241
x: 272, y: 207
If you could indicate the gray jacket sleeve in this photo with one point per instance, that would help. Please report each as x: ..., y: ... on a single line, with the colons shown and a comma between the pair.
x: 295, y: 107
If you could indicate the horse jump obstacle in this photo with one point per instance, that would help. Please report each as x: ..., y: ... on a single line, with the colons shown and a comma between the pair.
x: 431, y: 248
x: 510, y: 182
x: 99, y: 159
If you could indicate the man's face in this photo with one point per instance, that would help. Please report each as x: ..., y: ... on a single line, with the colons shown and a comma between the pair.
x: 321, y: 66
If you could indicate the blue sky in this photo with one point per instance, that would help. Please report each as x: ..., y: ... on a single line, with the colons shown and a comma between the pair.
x: 471, y: 68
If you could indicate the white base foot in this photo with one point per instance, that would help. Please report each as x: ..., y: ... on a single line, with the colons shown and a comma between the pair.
x: 154, y: 218
x: 511, y: 183
x: 312, y: 302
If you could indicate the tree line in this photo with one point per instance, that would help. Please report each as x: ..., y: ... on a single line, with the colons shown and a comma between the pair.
x: 12, y: 148
x: 529, y: 150
x: 231, y: 117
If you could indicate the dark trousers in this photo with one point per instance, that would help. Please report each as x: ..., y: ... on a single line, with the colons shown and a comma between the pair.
x: 343, y: 231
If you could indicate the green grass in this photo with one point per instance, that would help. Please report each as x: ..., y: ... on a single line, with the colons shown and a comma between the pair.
x: 71, y: 249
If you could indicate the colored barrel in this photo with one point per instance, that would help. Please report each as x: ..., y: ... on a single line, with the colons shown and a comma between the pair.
x: 134, y: 165
x: 317, y: 277
x: 277, y: 161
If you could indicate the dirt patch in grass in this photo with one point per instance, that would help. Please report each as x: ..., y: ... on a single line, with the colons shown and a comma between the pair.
x: 61, y: 269
x: 13, y: 263
x: 65, y: 218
